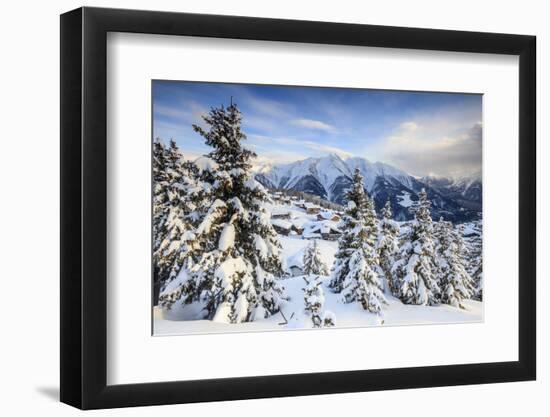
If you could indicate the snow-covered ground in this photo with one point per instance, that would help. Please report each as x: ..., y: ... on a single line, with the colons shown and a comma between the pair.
x: 182, y: 319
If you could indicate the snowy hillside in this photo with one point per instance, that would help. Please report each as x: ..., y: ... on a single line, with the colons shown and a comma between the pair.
x: 182, y: 319
x: 186, y: 318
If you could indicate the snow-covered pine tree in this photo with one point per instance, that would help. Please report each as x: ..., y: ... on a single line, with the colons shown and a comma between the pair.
x: 313, y: 263
x: 347, y: 243
x: 314, y: 300
x: 416, y: 267
x: 455, y: 281
x: 187, y: 199
x: 478, y: 291
x: 476, y: 272
x: 161, y: 208
x: 175, y: 195
x: 387, y: 247
x: 371, y: 222
x: 475, y: 260
x: 236, y: 253
x: 355, y: 270
x: 161, y: 200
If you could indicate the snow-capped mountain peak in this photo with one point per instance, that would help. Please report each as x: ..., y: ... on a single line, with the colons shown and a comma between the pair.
x: 328, y: 168
x: 326, y: 176
x: 329, y: 177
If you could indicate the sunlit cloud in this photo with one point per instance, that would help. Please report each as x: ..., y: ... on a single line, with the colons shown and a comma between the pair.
x: 420, y: 153
x: 319, y: 149
x: 312, y: 124
x: 409, y: 126
x: 326, y: 149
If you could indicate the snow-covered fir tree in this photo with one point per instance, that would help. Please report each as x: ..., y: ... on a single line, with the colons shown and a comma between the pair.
x: 313, y: 262
x: 235, y: 257
x: 175, y: 198
x: 387, y: 246
x: 454, y: 280
x: 475, y: 260
x: 476, y: 272
x: 161, y: 200
x: 355, y: 270
x: 180, y: 224
x: 353, y: 217
x: 314, y: 300
x: 416, y: 267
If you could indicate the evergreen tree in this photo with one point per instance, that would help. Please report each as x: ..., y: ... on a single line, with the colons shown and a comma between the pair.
x: 314, y: 299
x: 355, y: 270
x: 161, y: 200
x: 416, y: 267
x: 175, y: 194
x: 477, y: 276
x: 353, y: 217
x: 455, y: 281
x: 181, y: 221
x: 235, y: 257
x: 475, y: 261
x: 371, y: 224
x: 161, y: 208
x: 313, y: 263
x: 387, y: 247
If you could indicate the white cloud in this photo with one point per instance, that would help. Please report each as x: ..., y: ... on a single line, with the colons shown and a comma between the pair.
x: 327, y: 149
x: 409, y: 126
x: 271, y: 144
x: 423, y: 151
x: 312, y: 124
x: 187, y: 112
x: 267, y: 107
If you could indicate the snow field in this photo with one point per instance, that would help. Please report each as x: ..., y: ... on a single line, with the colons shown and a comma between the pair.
x: 185, y: 319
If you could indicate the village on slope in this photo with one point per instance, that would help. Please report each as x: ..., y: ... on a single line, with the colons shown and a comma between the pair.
x: 229, y: 255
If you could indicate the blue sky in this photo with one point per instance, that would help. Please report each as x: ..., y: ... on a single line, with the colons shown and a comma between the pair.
x: 421, y: 133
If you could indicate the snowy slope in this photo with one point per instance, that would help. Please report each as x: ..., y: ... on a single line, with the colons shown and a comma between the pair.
x: 182, y: 320
x: 186, y: 319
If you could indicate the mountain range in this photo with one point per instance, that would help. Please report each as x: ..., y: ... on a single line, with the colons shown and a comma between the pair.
x: 329, y: 177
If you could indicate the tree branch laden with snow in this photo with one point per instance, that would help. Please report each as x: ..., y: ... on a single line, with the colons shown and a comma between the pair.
x: 236, y: 255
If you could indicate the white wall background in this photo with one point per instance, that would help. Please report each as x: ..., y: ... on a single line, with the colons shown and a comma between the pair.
x: 29, y: 218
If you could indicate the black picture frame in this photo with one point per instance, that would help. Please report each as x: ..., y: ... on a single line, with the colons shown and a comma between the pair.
x: 84, y: 207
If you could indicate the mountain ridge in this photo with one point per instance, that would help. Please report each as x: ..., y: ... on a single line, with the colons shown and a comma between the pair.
x: 329, y: 177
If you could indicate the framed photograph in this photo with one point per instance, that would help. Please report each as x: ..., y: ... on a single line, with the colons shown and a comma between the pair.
x: 288, y: 227
x: 257, y: 208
